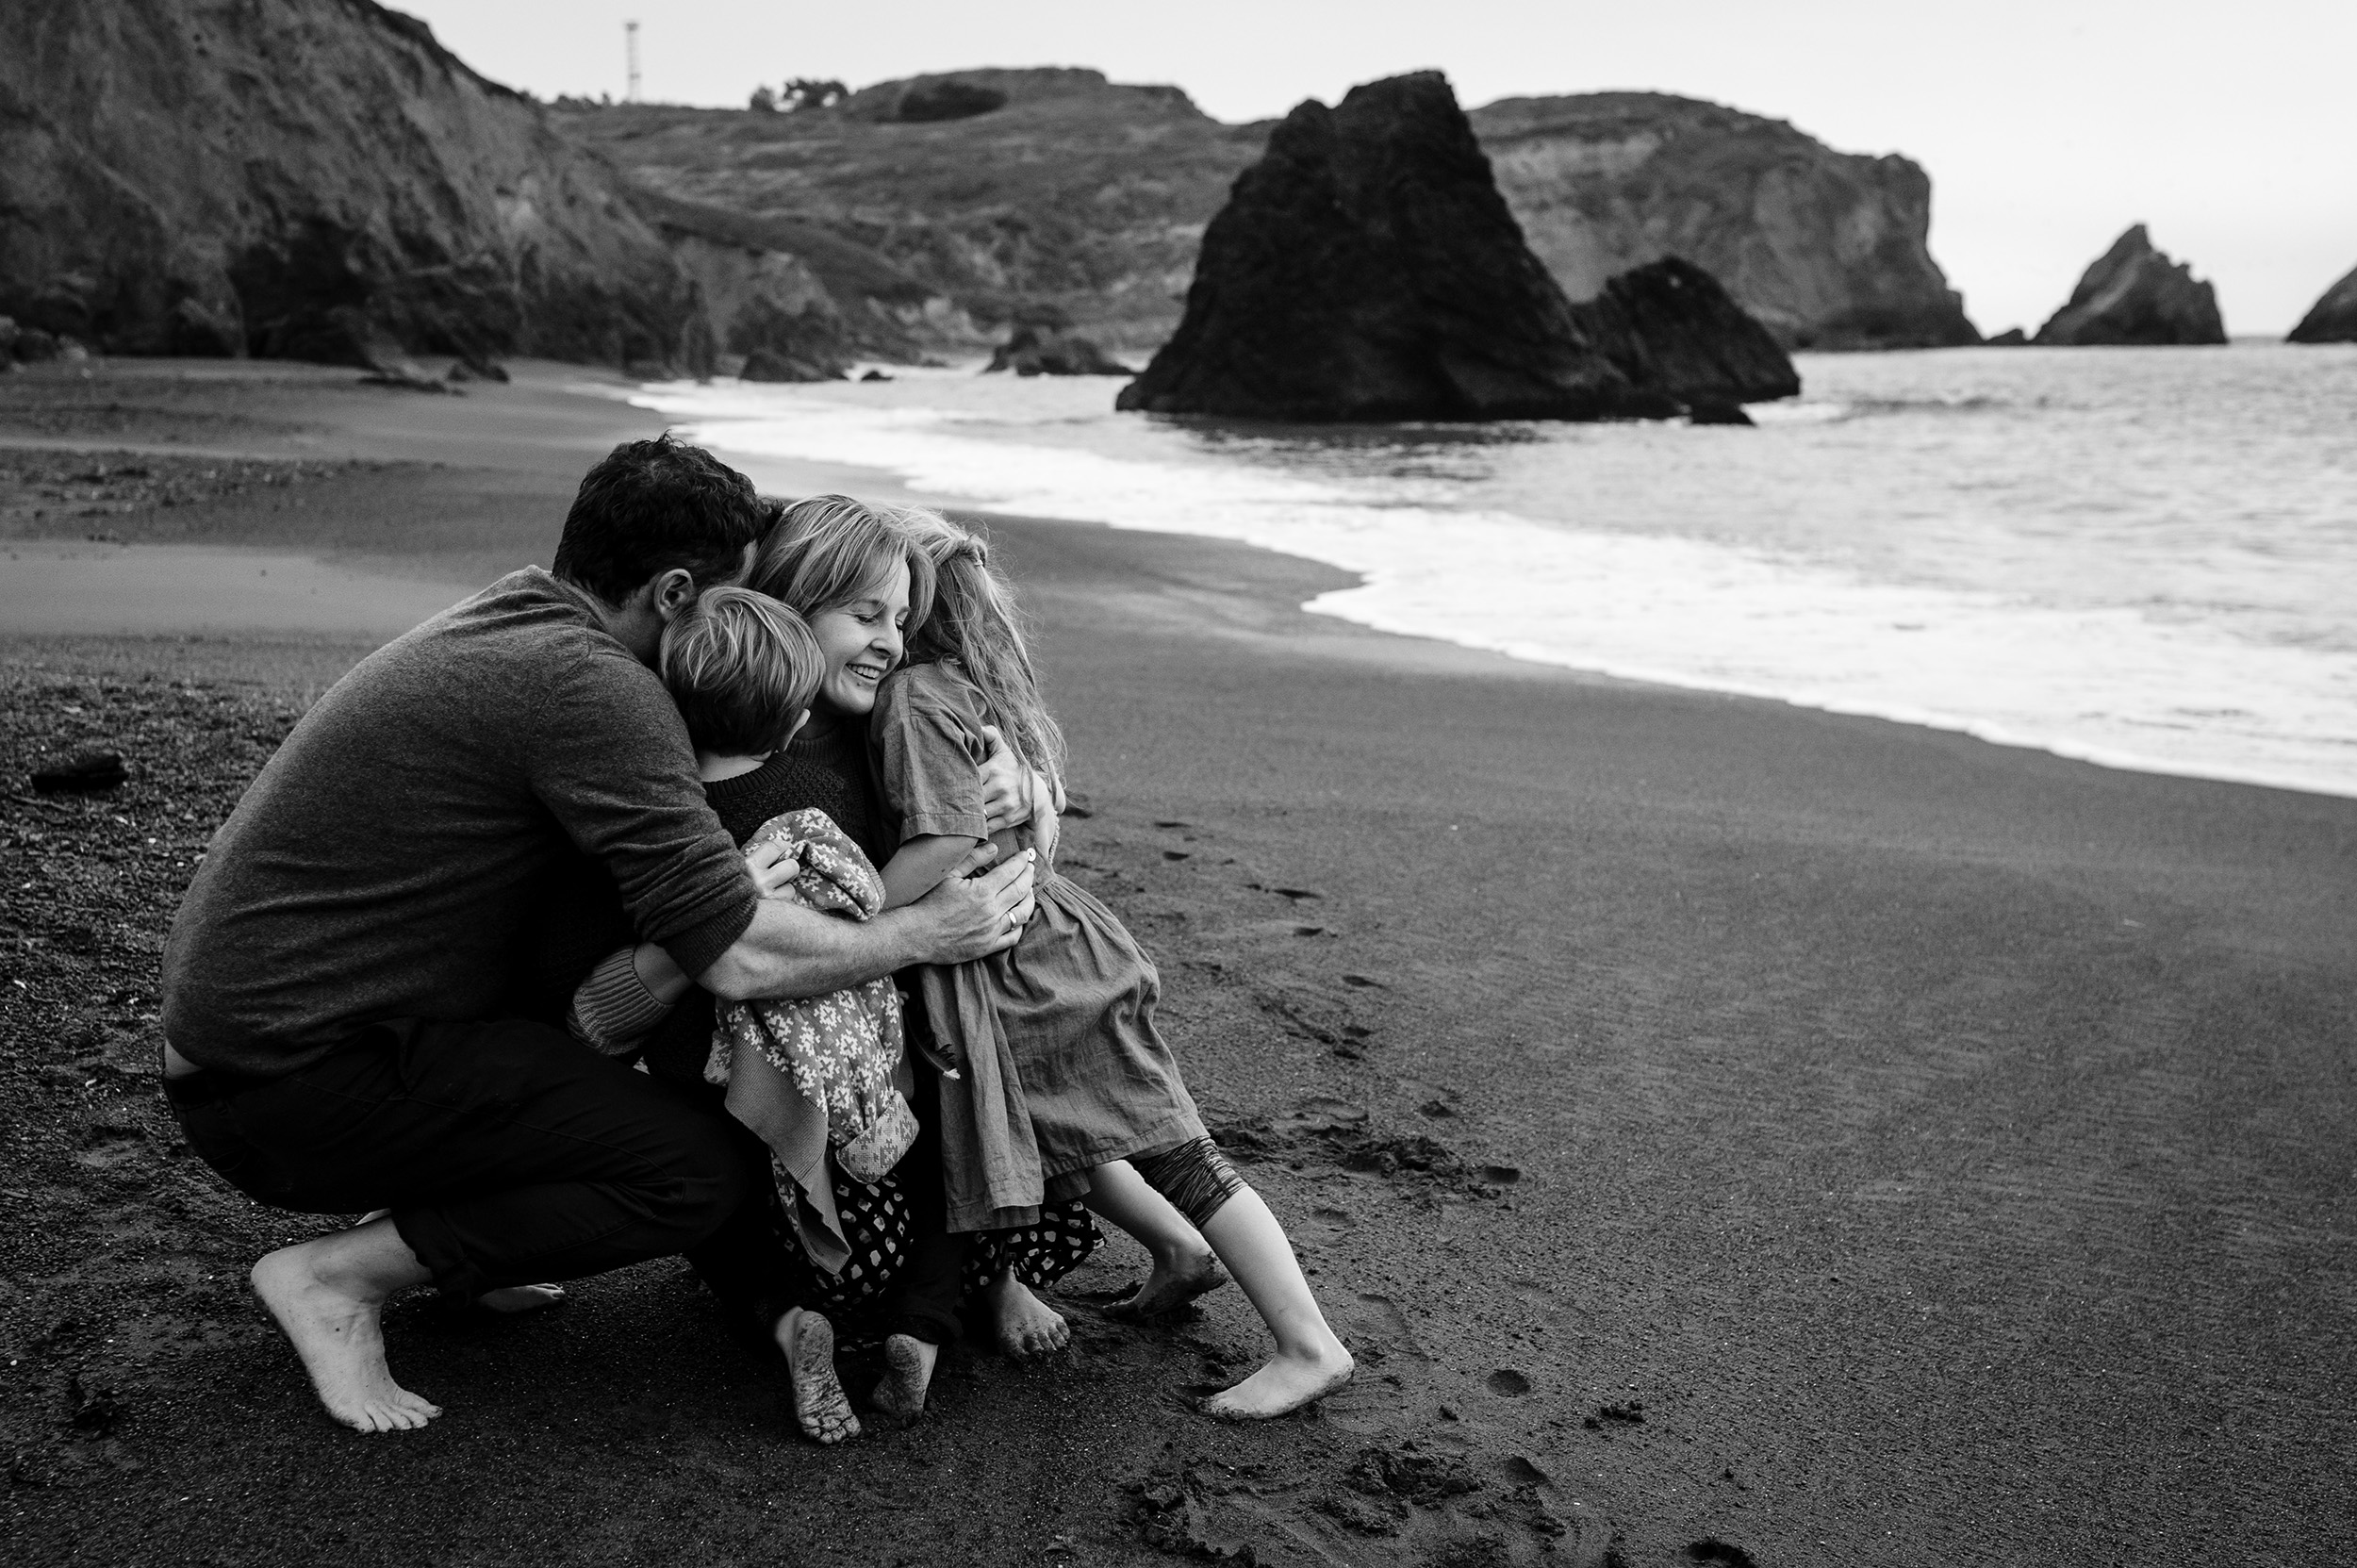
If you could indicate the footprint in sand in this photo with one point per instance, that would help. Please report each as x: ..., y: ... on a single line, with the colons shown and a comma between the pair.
x: 1507, y: 1383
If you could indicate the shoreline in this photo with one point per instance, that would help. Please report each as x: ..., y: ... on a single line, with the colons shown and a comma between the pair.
x: 1707, y: 1120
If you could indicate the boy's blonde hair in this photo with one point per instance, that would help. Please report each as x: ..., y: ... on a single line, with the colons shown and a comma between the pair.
x: 974, y: 622
x: 742, y: 667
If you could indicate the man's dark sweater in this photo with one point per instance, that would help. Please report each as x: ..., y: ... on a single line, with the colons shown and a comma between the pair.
x: 389, y: 860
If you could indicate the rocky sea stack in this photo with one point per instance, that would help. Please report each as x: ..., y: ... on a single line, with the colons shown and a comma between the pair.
x: 308, y: 179
x: 2332, y: 318
x: 1366, y: 269
x: 2135, y: 294
x: 1668, y: 326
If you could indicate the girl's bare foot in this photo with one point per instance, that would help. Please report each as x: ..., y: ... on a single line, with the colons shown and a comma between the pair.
x: 332, y: 1320
x: 1284, y: 1384
x: 907, y: 1373
x: 820, y: 1406
x: 1027, y: 1326
x: 1170, y: 1286
x: 514, y: 1300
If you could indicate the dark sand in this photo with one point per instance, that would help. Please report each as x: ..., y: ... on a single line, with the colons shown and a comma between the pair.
x: 1723, y: 1131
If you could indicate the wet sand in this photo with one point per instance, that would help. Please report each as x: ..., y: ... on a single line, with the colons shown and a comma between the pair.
x: 1724, y: 1131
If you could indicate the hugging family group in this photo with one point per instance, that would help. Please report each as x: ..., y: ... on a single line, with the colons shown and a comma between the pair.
x: 699, y: 897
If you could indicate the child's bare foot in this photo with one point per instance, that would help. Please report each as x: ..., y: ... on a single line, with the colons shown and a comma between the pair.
x: 336, y: 1328
x: 1170, y: 1286
x: 1285, y: 1383
x: 907, y: 1373
x: 1027, y: 1326
x: 514, y: 1300
x: 820, y: 1406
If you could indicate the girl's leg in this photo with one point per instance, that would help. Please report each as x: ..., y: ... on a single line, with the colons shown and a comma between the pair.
x: 1185, y: 1267
x: 1309, y: 1361
x: 1027, y: 1326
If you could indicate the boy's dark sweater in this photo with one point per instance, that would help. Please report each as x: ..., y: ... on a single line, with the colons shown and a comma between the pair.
x: 828, y: 770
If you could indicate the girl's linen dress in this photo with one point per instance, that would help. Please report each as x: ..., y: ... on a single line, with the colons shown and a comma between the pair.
x: 1070, y: 1007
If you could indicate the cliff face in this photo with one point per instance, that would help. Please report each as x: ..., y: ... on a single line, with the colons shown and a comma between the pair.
x: 1073, y: 194
x: 2134, y: 294
x: 1829, y: 250
x: 2332, y: 318
x: 1090, y: 197
x: 1366, y: 269
x: 298, y: 178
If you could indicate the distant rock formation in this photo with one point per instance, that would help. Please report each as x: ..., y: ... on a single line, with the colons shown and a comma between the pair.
x: 1051, y: 348
x: 304, y: 178
x: 1669, y: 327
x: 2333, y: 318
x: 2134, y: 294
x: 1366, y: 269
x: 2012, y: 337
x: 1829, y: 250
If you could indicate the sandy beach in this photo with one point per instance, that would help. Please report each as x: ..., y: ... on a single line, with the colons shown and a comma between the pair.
x: 1725, y: 1133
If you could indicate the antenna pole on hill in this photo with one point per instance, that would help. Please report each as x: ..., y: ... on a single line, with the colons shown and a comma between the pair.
x: 630, y: 46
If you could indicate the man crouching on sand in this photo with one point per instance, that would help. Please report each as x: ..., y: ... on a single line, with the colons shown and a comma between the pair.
x: 332, y: 986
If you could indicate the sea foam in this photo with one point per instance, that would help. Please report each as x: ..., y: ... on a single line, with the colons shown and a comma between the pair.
x: 1708, y: 575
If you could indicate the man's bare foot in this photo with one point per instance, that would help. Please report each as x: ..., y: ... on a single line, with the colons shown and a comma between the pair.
x: 1027, y: 1326
x: 515, y: 1300
x: 508, y: 1300
x: 1169, y: 1287
x: 820, y: 1406
x: 907, y: 1373
x: 335, y: 1326
x: 1284, y: 1384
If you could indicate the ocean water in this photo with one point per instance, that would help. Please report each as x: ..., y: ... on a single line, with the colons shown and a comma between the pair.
x: 2140, y: 557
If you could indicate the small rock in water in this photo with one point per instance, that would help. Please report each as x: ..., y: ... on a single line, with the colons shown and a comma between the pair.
x: 1706, y: 411
x: 85, y: 773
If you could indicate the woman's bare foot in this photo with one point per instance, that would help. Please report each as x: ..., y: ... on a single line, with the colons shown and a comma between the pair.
x: 820, y: 1406
x: 1284, y: 1384
x: 515, y: 1300
x: 1027, y: 1326
x: 908, y: 1373
x: 328, y: 1296
x: 1173, y: 1283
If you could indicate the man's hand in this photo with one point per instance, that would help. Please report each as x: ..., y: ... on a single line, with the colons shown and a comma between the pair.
x: 975, y: 912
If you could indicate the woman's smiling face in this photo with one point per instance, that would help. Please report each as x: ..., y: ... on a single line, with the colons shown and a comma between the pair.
x: 861, y: 641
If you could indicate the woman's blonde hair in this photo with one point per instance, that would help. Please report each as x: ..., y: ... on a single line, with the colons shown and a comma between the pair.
x: 741, y: 666
x: 975, y: 622
x: 825, y: 551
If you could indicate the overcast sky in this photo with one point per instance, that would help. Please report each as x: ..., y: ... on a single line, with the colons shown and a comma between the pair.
x: 2047, y: 127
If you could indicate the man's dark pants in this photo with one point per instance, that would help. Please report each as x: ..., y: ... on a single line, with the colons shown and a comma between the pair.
x: 509, y: 1153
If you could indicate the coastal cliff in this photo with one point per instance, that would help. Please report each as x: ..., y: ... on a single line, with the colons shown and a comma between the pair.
x: 307, y: 179
x: 1068, y: 193
x: 1055, y: 188
x: 1828, y: 249
x: 2332, y: 318
x: 2134, y: 294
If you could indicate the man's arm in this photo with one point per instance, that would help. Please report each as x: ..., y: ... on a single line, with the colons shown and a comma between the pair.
x: 792, y: 952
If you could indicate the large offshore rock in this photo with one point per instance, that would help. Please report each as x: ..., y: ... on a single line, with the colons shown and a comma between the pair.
x: 1670, y: 327
x: 1366, y: 269
x: 1829, y: 250
x: 2134, y: 294
x: 2332, y: 318
x: 303, y: 178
